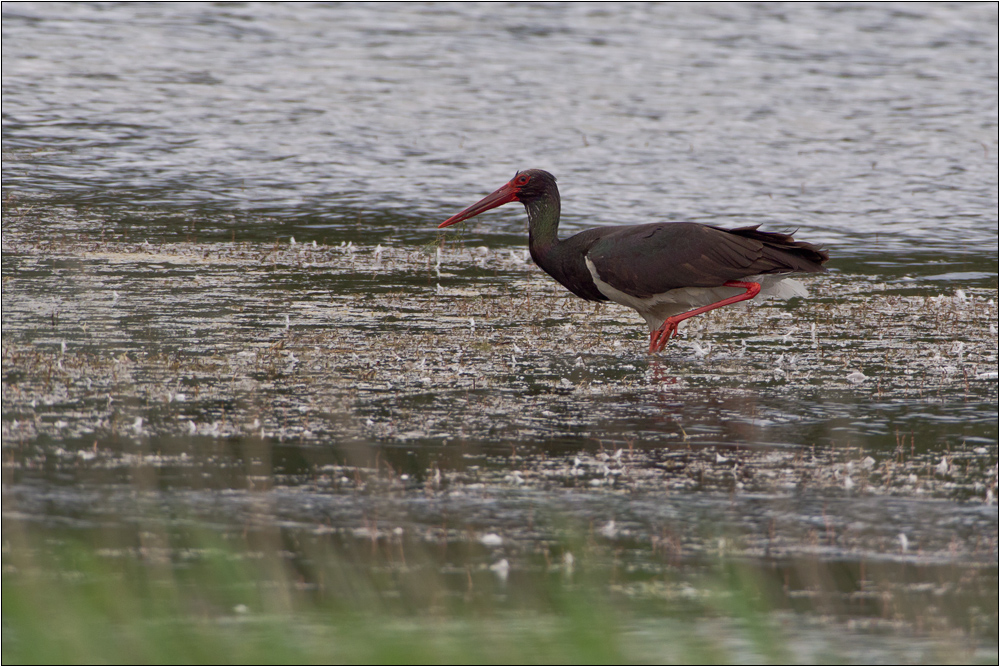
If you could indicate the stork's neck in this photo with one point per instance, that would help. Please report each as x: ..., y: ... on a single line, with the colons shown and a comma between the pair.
x: 543, y: 224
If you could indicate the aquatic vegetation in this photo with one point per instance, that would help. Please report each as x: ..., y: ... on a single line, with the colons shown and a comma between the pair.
x: 412, y: 419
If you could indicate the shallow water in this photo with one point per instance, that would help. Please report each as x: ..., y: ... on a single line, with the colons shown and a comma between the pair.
x: 224, y: 294
x: 492, y: 420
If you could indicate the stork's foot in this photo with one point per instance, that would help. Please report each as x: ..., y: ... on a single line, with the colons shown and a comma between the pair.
x: 658, y: 339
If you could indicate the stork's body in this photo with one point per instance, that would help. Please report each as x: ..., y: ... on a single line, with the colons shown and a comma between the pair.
x: 667, y: 272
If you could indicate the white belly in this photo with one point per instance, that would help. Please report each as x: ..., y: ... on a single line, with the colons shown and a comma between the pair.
x: 657, y: 308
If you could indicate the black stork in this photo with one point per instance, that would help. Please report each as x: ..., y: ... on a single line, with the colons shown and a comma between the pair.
x: 668, y: 271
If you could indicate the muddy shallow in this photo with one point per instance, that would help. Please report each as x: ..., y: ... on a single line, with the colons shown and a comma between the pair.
x: 454, y: 401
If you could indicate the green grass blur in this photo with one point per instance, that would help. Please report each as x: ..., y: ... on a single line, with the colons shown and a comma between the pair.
x: 201, y: 599
x: 203, y: 596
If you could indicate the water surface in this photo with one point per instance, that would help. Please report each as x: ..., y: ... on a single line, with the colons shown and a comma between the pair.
x: 864, y: 126
x: 226, y: 303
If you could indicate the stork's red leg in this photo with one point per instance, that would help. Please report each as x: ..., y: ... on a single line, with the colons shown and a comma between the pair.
x: 658, y: 339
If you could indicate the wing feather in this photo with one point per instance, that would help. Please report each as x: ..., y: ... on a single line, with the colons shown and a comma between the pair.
x: 644, y: 260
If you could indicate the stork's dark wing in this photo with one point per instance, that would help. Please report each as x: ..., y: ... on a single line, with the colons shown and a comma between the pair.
x: 644, y: 260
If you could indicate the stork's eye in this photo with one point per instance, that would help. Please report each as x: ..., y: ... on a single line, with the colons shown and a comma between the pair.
x: 522, y: 179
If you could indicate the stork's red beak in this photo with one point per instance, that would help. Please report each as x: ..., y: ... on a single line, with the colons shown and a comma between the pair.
x: 504, y: 195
